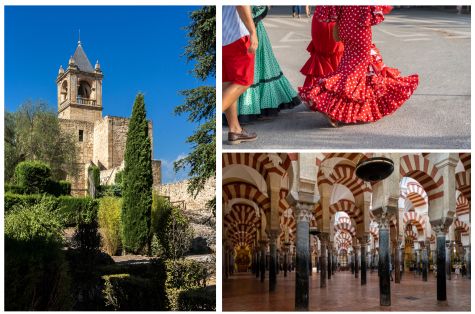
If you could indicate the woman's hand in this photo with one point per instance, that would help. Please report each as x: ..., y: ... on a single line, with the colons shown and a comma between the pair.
x: 254, y: 43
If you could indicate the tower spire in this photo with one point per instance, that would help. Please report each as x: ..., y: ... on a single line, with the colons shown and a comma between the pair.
x: 79, y: 37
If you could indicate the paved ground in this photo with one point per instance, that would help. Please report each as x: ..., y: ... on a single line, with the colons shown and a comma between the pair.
x: 243, y: 292
x: 433, y: 43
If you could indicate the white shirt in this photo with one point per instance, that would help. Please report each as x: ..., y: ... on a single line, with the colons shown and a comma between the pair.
x: 233, y: 27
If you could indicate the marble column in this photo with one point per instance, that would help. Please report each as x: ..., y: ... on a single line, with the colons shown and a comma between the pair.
x: 364, y: 243
x: 273, y: 234
x: 352, y: 264
x: 418, y: 261
x: 468, y: 261
x: 316, y: 260
x: 425, y: 262
x: 402, y: 259
x: 329, y: 261
x: 356, y: 249
x: 310, y: 256
x: 397, y: 263
x: 441, y: 263
x: 324, y: 237
x: 448, y: 254
x: 286, y: 256
x: 226, y: 263
x: 302, y: 218
x: 384, y: 276
x: 263, y: 259
x: 257, y: 266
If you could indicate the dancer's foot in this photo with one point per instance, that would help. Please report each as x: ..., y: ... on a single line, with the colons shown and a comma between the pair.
x: 334, y: 123
x: 244, y: 136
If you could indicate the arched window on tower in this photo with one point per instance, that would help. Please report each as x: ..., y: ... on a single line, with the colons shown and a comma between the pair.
x: 64, y: 91
x: 84, y: 93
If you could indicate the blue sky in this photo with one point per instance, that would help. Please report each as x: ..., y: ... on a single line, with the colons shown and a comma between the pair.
x: 139, y: 48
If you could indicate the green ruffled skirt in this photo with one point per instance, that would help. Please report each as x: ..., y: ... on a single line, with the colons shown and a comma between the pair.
x: 271, y: 91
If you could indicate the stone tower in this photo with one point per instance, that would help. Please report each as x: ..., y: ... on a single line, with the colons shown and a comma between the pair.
x: 80, y: 89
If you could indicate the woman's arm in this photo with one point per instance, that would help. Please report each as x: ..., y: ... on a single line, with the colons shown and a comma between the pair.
x: 245, y: 14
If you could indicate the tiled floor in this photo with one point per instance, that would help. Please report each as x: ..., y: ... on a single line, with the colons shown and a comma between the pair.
x: 243, y: 292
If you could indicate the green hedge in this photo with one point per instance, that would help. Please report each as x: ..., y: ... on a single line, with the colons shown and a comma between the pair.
x: 184, y: 274
x: 33, y: 176
x: 197, y: 299
x: 142, y: 291
x: 36, y: 272
x: 72, y: 210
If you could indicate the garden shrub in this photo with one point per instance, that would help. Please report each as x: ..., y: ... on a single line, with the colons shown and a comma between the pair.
x: 171, y: 227
x: 71, y: 210
x: 36, y: 272
x: 184, y: 275
x: 109, y: 223
x: 14, y: 189
x: 197, y: 299
x: 145, y: 291
x: 33, y: 176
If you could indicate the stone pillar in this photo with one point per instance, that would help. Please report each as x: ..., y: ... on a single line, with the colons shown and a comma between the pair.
x: 263, y: 244
x: 397, y: 263
x: 425, y: 262
x: 310, y: 256
x: 364, y: 243
x: 448, y: 254
x: 286, y: 258
x: 316, y: 260
x: 302, y: 218
x: 329, y: 262
x: 356, y: 249
x: 273, y: 234
x: 384, y: 275
x: 324, y: 237
x: 257, y: 265
x: 402, y: 256
x: 352, y: 263
x: 418, y: 261
x: 467, y: 250
x: 441, y: 263
x: 226, y: 263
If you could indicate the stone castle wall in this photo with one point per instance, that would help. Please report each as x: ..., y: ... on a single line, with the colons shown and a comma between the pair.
x: 178, y: 192
x: 84, y: 151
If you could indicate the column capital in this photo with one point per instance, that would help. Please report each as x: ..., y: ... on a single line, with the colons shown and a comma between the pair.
x: 303, y: 211
x: 441, y: 229
x: 364, y: 239
x: 441, y: 226
x: 324, y: 237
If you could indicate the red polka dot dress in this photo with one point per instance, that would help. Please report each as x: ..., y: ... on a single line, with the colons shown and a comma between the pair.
x: 363, y: 88
x: 325, y: 52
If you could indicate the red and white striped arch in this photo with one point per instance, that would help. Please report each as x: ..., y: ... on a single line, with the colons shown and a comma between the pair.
x: 259, y: 161
x: 466, y: 159
x: 414, y: 218
x: 462, y: 227
x: 287, y: 222
x: 411, y: 235
x: 348, y: 207
x: 345, y: 175
x: 462, y: 183
x: 242, y: 223
x: 374, y: 231
x: 462, y: 205
x: 423, y: 171
x: 246, y: 191
x: 415, y: 193
x: 345, y: 226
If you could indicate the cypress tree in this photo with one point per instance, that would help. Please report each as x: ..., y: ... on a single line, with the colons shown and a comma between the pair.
x: 137, y: 181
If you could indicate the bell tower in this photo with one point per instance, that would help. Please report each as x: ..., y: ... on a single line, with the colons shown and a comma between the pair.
x: 80, y: 89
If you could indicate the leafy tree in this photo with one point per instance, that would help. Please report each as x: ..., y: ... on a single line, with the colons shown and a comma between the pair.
x: 137, y: 181
x: 200, y: 102
x: 33, y: 132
